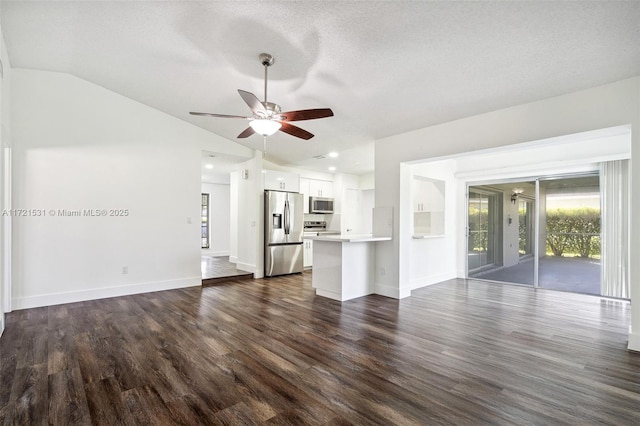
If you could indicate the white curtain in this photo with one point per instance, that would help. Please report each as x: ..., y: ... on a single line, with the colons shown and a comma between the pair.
x: 614, y: 231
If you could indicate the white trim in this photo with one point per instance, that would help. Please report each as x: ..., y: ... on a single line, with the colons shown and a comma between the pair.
x: 428, y: 280
x: 393, y: 292
x: 103, y: 293
x: 5, y: 279
x: 624, y: 129
x: 233, y: 259
x: 527, y: 171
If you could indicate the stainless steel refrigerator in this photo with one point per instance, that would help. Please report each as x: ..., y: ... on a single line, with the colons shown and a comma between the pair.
x: 283, y: 228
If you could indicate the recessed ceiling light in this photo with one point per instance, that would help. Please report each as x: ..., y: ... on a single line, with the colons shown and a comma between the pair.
x: 209, y: 166
x: 332, y: 169
x: 333, y: 154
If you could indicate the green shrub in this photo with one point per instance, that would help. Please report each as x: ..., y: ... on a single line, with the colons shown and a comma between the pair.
x: 575, y: 231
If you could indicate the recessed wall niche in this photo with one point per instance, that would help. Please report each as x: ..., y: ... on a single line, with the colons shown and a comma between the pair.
x: 428, y: 207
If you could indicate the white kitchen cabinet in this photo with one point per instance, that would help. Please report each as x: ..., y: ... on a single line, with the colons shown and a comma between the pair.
x: 320, y: 188
x: 307, y: 257
x: 428, y: 206
x: 304, y: 189
x: 281, y: 181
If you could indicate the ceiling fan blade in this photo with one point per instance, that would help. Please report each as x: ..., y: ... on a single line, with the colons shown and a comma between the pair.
x: 208, y: 114
x: 253, y: 102
x: 246, y: 133
x: 295, y: 131
x: 306, y: 114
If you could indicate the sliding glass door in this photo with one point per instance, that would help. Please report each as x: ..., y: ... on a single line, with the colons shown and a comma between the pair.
x: 543, y: 232
x: 483, y: 238
x: 501, y: 232
x: 570, y: 250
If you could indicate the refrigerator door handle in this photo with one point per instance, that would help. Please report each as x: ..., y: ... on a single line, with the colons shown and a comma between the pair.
x: 286, y: 217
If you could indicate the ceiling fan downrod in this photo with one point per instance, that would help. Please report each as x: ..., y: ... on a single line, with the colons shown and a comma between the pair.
x: 267, y: 60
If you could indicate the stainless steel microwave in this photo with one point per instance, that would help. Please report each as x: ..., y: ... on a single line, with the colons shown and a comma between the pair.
x: 320, y: 205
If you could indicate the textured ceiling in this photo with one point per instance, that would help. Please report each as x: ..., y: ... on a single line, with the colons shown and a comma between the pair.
x: 383, y: 67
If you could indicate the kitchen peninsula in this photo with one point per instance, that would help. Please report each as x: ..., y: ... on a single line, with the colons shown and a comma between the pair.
x: 344, y: 265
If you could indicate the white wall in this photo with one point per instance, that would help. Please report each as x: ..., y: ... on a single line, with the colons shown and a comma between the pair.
x: 80, y: 146
x: 250, y: 250
x: 611, y: 105
x: 367, y: 202
x: 219, y: 218
x: 233, y: 216
x: 5, y: 182
x: 430, y: 258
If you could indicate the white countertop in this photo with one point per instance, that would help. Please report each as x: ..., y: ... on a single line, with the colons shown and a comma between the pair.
x: 348, y: 238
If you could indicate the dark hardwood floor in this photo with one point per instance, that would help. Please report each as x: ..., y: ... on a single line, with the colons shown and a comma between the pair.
x: 270, y: 352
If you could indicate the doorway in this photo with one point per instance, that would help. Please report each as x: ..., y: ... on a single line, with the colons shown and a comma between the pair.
x: 571, y: 247
x: 501, y: 232
x: 563, y: 255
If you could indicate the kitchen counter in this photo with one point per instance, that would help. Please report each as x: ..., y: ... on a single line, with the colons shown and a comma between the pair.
x: 344, y: 265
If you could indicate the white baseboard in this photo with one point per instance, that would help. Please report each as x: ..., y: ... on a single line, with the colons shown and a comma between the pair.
x: 417, y: 283
x: 634, y: 341
x: 393, y: 292
x: 102, y: 293
x: 233, y: 259
x: 246, y: 267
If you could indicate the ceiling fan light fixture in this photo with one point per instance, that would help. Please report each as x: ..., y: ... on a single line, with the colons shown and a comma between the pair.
x: 264, y: 126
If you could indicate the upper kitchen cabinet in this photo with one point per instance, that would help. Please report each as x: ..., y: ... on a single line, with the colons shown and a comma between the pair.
x: 428, y: 207
x: 320, y: 188
x: 281, y: 181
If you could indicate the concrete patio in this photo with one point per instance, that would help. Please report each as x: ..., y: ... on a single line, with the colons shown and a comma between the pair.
x: 572, y: 274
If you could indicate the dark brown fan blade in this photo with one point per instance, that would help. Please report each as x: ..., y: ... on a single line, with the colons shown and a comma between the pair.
x: 246, y: 133
x: 295, y: 131
x: 253, y: 102
x: 208, y: 114
x: 306, y: 114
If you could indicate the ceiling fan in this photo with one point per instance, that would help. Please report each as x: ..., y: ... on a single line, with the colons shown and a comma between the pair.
x: 267, y: 117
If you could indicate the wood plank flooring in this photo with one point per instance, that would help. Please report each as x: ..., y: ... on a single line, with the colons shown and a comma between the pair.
x: 270, y: 352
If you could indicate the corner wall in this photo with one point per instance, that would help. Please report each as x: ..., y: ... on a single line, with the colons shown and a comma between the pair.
x: 5, y: 182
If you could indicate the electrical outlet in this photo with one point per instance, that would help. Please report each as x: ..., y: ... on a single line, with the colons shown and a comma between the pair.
x: 125, y: 270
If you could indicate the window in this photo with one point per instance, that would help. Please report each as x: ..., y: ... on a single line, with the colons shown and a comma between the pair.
x: 204, y: 231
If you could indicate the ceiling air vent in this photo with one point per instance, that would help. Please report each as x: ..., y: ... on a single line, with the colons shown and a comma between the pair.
x: 320, y: 157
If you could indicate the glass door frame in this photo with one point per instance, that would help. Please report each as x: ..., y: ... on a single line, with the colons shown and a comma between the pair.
x: 536, y: 231
x: 489, y: 183
x: 493, y: 222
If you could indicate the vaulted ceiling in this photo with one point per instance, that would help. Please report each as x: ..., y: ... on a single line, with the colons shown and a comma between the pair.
x: 383, y: 67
